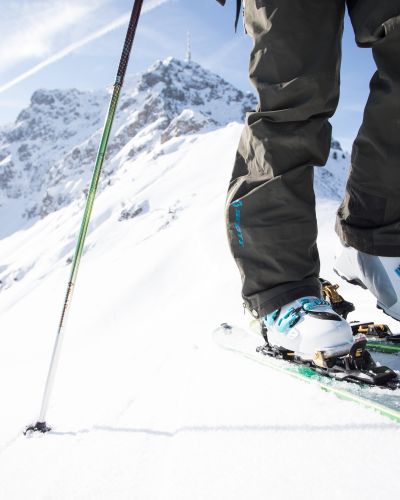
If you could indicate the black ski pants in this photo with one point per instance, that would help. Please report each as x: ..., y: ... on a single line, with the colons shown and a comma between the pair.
x: 294, y: 67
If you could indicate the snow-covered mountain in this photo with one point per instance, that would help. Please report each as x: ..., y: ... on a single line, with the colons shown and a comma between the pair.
x: 46, y: 157
x: 145, y: 405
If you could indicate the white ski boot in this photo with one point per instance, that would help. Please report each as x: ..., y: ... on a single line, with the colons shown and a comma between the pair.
x: 380, y: 275
x: 309, y: 326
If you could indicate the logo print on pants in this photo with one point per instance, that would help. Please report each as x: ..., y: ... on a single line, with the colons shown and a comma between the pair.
x: 237, y: 205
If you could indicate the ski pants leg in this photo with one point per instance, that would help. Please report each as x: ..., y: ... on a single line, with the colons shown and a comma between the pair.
x: 271, y: 219
x: 369, y: 217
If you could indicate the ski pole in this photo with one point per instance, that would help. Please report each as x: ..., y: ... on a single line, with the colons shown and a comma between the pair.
x: 41, y: 425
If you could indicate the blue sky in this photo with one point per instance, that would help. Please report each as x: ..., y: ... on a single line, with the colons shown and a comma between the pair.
x: 34, y: 31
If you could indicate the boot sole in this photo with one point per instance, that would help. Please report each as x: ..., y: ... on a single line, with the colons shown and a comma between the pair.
x: 390, y: 314
x: 359, y: 283
x: 355, y: 281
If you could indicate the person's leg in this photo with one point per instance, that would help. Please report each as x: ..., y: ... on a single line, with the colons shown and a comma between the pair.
x: 271, y: 220
x: 369, y: 217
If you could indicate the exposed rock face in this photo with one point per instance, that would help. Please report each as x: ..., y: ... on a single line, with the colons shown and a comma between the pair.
x: 47, y: 156
x: 35, y: 152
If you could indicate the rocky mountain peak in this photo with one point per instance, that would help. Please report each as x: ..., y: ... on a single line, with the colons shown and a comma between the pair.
x: 55, y: 139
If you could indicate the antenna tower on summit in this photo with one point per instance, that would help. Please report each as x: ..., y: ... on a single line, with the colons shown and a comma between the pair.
x: 188, y: 57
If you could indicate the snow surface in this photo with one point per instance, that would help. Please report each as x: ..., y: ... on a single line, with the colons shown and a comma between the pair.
x: 145, y: 405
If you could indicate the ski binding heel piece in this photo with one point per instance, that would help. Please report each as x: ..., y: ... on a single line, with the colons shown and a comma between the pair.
x: 379, y: 331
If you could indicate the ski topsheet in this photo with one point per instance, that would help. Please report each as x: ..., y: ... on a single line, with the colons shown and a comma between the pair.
x: 245, y: 342
x: 379, y: 337
x: 379, y: 345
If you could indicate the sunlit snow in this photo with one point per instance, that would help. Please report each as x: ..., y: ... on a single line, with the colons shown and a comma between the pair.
x: 145, y: 405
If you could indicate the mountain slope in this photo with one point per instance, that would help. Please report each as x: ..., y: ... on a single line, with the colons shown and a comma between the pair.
x: 145, y: 406
x: 47, y: 156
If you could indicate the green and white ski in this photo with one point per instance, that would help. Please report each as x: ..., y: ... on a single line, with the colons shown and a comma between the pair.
x: 246, y: 341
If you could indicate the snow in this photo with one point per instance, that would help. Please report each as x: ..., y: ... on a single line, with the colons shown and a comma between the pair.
x: 145, y: 405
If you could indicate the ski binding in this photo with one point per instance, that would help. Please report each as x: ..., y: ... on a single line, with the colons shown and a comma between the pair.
x: 377, y: 331
x: 355, y: 366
